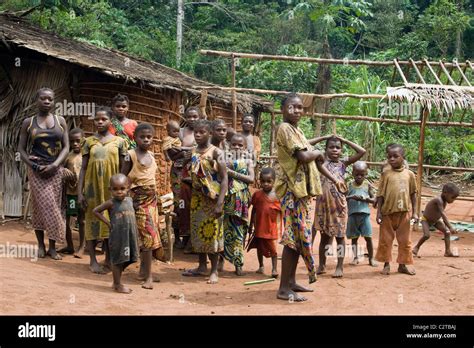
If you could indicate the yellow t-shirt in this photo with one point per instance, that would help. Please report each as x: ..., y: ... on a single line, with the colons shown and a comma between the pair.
x: 302, y: 179
x: 396, y: 187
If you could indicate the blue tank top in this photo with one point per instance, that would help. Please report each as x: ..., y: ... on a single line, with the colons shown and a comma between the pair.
x: 354, y: 206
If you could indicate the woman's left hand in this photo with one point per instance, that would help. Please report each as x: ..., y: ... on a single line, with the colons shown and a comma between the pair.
x: 48, y: 170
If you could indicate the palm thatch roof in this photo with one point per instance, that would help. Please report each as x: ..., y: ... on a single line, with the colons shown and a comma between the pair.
x: 442, y: 97
x: 111, y: 62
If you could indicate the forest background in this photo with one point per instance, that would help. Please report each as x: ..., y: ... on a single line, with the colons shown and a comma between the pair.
x: 371, y: 30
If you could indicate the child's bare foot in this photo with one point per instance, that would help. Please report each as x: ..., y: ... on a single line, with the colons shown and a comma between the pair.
x: 238, y: 271
x: 373, y: 263
x: 213, y: 279
x: 338, y: 273
x: 415, y: 251
x: 290, y: 296
x: 300, y: 288
x: 260, y: 270
x: 79, y: 253
x: 154, y: 278
x: 53, y: 254
x: 405, y: 270
x: 66, y: 250
x: 41, y: 252
x: 274, y: 274
x: 96, y: 268
x: 354, y: 262
x: 122, y: 289
x: 386, y: 270
x: 321, y: 269
x: 220, y: 264
x: 450, y: 254
x: 148, y: 284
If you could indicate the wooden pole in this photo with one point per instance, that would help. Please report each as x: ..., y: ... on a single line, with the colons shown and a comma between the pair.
x: 234, y: 96
x: 387, y: 120
x: 179, y: 32
x: 312, y: 60
x: 272, y: 133
x: 419, y: 173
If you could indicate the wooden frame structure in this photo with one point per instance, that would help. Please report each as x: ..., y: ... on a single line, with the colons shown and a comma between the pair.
x: 443, y: 97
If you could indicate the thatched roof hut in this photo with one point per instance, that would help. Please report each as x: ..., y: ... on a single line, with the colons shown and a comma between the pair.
x: 81, y: 75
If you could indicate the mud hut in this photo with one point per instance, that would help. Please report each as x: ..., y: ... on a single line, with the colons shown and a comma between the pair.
x: 84, y: 76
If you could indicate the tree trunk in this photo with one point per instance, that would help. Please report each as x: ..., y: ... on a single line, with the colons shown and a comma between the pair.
x: 179, y: 32
x: 323, y: 86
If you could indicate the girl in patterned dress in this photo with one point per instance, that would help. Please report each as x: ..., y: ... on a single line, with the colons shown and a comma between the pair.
x: 331, y: 207
x: 236, y: 207
x: 102, y: 157
x: 209, y: 186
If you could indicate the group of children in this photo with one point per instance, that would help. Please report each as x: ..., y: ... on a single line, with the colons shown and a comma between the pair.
x: 213, y: 167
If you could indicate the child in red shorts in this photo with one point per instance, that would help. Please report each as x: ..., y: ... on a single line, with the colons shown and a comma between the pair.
x: 266, y: 218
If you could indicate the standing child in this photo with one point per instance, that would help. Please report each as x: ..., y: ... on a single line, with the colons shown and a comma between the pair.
x: 120, y: 124
x: 123, y: 229
x: 73, y: 163
x: 241, y: 175
x: 219, y: 133
x: 360, y: 193
x: 397, y: 191
x: 102, y: 157
x: 140, y: 166
x: 209, y: 186
x: 434, y: 215
x: 331, y: 207
x: 266, y: 219
x: 297, y: 181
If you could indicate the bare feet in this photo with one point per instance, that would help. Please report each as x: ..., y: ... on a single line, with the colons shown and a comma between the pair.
x: 148, y: 284
x: 403, y: 269
x: 106, y: 266
x: 154, y: 278
x: 195, y: 272
x: 338, y: 273
x: 79, y: 253
x: 415, y: 251
x: 260, y: 270
x: 96, y: 268
x: 354, y: 262
x: 300, y: 288
x: 41, y: 252
x: 238, y: 271
x: 386, y: 270
x: 66, y: 250
x: 290, y: 296
x: 213, y: 279
x: 274, y: 274
x: 53, y: 254
x: 450, y: 254
x: 122, y: 289
x: 321, y: 269
x: 373, y: 263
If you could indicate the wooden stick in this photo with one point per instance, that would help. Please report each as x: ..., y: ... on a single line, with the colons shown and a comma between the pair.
x: 400, y: 71
x: 428, y: 166
x: 272, y: 133
x: 309, y: 59
x: 463, y: 76
x: 419, y: 173
x: 418, y: 72
x: 260, y: 281
x: 386, y: 120
x: 234, y: 96
x: 274, y: 92
x: 446, y: 73
x: 432, y: 71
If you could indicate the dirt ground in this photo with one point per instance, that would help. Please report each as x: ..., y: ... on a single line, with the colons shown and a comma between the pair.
x: 442, y: 286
